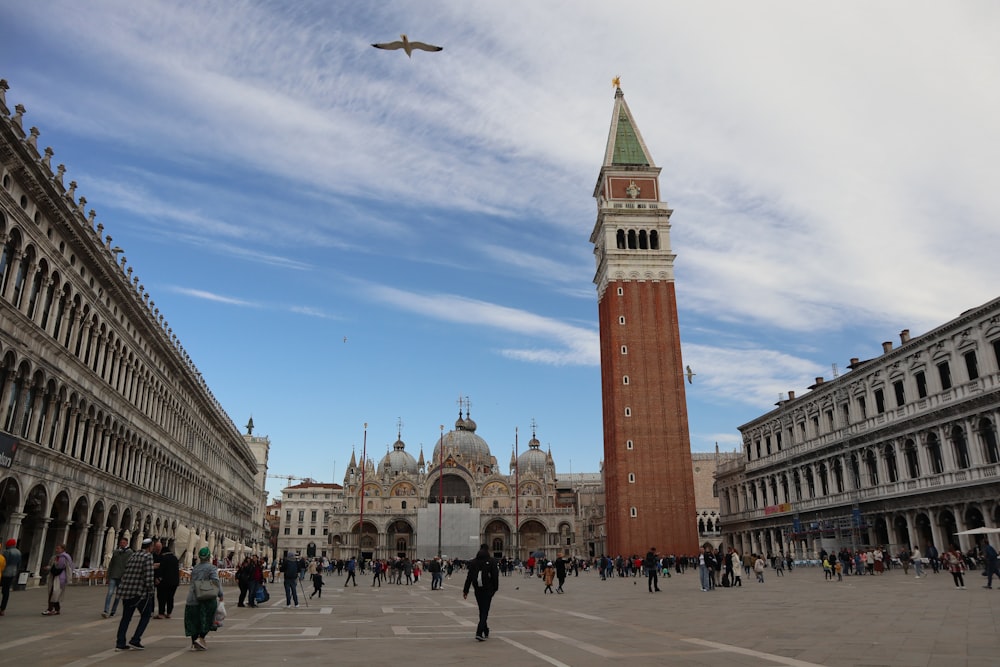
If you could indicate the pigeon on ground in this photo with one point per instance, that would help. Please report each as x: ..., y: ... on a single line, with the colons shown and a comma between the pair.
x: 408, y: 46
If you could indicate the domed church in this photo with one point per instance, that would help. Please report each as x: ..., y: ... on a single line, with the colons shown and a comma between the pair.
x: 454, y: 502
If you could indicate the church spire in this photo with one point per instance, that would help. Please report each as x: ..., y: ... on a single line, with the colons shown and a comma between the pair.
x: 625, y: 145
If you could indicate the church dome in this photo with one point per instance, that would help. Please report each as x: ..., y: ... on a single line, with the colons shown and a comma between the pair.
x: 398, y: 460
x: 534, y: 460
x: 467, y: 447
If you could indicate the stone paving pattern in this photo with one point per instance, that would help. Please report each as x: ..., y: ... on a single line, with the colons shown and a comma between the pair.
x: 799, y: 620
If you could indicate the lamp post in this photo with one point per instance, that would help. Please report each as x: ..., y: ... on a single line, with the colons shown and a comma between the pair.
x: 440, y: 486
x: 361, y: 498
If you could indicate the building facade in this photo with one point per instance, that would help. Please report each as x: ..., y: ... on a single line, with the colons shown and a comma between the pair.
x: 114, y: 431
x: 305, y: 512
x: 649, y: 487
x: 392, y: 508
x: 900, y: 451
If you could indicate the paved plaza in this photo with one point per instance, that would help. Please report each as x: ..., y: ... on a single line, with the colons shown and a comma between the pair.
x: 798, y: 620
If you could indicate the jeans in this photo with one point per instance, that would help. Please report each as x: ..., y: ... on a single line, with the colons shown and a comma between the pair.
x: 110, y: 600
x: 290, y: 592
x: 6, y: 583
x: 145, y: 606
x: 703, y: 575
x: 483, y: 599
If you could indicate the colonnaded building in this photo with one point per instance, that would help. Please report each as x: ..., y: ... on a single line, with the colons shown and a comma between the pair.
x: 902, y: 450
x: 106, y: 426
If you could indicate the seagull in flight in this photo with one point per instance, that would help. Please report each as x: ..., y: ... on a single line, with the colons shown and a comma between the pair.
x: 407, y: 46
x: 690, y: 374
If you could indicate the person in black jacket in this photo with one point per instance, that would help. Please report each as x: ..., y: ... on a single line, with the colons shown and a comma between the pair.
x: 484, y: 577
x: 168, y: 578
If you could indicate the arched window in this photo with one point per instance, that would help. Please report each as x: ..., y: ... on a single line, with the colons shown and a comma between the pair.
x: 871, y: 462
x: 988, y: 435
x: 620, y: 239
x: 643, y: 240
x: 631, y: 239
x: 934, y: 453
x: 890, y: 463
x: 654, y: 240
x: 961, y: 447
x: 912, y: 462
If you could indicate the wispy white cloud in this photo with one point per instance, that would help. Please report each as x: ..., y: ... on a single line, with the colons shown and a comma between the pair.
x: 575, y: 345
x: 211, y: 296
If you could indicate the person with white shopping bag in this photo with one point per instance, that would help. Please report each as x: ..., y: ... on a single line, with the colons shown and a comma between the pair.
x: 203, y: 601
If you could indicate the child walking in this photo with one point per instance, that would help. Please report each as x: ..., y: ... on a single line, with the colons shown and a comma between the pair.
x: 317, y: 579
x: 548, y: 576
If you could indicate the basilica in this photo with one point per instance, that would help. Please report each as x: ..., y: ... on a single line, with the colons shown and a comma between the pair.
x: 406, y: 506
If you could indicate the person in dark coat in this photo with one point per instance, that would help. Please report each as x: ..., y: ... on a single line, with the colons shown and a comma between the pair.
x: 168, y: 578
x: 484, y: 578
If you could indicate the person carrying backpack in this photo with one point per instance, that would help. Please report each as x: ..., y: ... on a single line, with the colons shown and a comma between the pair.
x: 484, y: 578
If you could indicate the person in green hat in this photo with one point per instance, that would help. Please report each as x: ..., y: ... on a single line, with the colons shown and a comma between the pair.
x: 199, y: 615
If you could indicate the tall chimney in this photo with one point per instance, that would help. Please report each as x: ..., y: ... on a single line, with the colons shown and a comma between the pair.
x: 887, y: 347
x: 904, y: 336
x: 791, y: 395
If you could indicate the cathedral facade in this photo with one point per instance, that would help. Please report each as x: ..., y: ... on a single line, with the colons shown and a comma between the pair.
x: 452, y: 502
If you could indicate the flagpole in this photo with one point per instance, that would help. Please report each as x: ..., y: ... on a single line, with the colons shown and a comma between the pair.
x: 517, y: 500
x: 361, y: 525
x: 440, y: 486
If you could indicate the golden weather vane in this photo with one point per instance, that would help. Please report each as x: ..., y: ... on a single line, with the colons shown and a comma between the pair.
x: 617, y: 81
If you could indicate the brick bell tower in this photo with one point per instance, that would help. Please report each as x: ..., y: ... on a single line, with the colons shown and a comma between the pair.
x: 649, y: 483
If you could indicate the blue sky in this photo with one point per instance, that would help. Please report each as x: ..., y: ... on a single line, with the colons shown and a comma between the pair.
x: 279, y: 186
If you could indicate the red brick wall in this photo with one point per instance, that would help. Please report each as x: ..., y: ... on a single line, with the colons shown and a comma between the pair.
x: 663, y: 491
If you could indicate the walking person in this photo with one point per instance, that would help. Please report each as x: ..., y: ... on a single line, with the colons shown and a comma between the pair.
x: 484, y: 579
x: 116, y: 568
x: 60, y: 574
x: 12, y: 563
x: 351, y: 567
x: 290, y: 568
x: 199, y: 615
x: 317, y: 582
x: 918, y: 562
x: 955, y: 563
x: 737, y: 568
x: 991, y: 564
x: 758, y: 567
x: 434, y: 567
x: 137, y: 592
x: 167, y: 578
x: 652, y: 565
x: 560, y: 564
x: 704, y: 562
x: 548, y: 576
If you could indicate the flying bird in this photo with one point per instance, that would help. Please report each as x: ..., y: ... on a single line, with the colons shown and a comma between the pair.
x: 690, y: 374
x: 407, y: 46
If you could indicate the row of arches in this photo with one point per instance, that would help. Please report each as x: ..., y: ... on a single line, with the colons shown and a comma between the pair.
x: 930, y: 452
x: 398, y: 536
x: 51, y: 302
x: 936, y: 526
x: 40, y: 516
x: 642, y: 239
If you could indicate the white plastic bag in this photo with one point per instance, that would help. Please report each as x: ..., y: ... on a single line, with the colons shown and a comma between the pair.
x: 220, y: 614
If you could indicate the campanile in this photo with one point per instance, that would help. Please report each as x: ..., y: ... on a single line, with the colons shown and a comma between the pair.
x: 649, y: 483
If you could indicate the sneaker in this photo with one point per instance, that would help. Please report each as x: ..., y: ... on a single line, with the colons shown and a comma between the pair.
x: 194, y: 647
x: 137, y: 646
x: 200, y: 643
x: 480, y: 638
x: 104, y: 614
x: 122, y: 648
